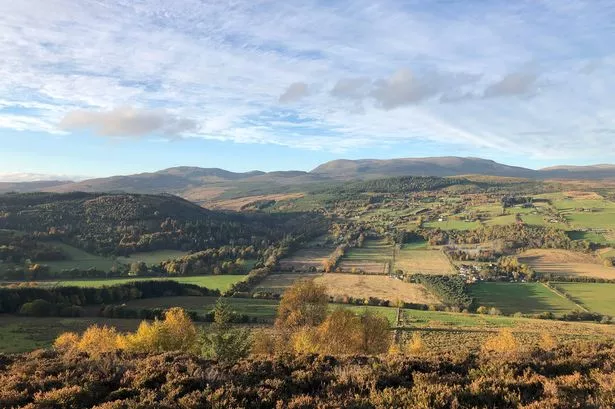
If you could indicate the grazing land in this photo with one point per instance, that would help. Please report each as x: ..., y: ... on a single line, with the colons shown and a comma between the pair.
x: 373, y: 258
x: 412, y: 261
x: 242, y: 202
x: 277, y: 283
x: 80, y: 259
x: 306, y: 259
x: 527, y: 298
x: 152, y: 257
x: 366, y: 286
x: 596, y: 297
x: 220, y: 282
x: 452, y: 225
x: 566, y: 263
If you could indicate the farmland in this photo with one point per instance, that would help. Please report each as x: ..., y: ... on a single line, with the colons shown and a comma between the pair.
x: 220, y: 282
x: 596, y: 297
x: 152, y: 257
x: 527, y: 298
x: 412, y: 261
x: 80, y: 259
x: 566, y: 263
x: 373, y: 258
x: 365, y: 286
x: 306, y: 259
x: 277, y: 283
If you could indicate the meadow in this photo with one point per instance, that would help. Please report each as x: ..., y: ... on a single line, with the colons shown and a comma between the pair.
x: 452, y: 225
x: 220, y: 282
x: 306, y: 259
x: 527, y: 298
x: 277, y: 283
x: 566, y: 263
x: 373, y: 258
x: 385, y: 288
x: 596, y: 297
x: 79, y: 259
x: 152, y: 257
x: 425, y: 261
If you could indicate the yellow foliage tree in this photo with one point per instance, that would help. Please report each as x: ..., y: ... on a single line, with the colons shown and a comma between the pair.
x: 340, y: 333
x: 99, y: 340
x: 547, y: 341
x: 66, y: 341
x: 376, y: 333
x: 305, y: 303
x: 503, y: 343
x: 176, y: 332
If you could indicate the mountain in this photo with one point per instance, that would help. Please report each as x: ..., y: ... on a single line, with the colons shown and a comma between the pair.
x: 601, y: 171
x: 202, y: 185
x: 435, y: 166
x: 25, y: 187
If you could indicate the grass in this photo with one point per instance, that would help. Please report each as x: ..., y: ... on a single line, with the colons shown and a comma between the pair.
x: 422, y: 261
x: 566, y: 263
x: 452, y: 225
x: 366, y: 286
x: 220, y: 282
x: 596, y: 297
x: 527, y: 298
x: 153, y: 257
x: 278, y: 283
x: 587, y: 235
x: 373, y: 258
x: 79, y: 259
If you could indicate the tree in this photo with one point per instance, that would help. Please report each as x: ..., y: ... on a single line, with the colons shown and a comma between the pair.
x: 305, y: 303
x: 223, y: 342
x: 176, y: 332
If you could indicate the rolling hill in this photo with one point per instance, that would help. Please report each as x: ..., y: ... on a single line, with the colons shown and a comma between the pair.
x: 202, y: 185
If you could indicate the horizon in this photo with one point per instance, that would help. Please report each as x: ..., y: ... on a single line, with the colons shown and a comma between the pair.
x: 96, y: 90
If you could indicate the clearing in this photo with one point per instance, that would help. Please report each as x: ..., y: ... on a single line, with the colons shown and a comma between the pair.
x: 385, y: 288
x: 80, y: 259
x: 566, y: 262
x: 527, y: 298
x: 239, y: 203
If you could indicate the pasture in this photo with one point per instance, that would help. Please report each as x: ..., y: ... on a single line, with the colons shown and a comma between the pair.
x: 277, y: 283
x: 306, y: 259
x: 527, y: 298
x: 80, y: 259
x: 413, y: 261
x: 373, y: 258
x: 566, y: 263
x: 385, y: 288
x: 220, y: 282
x: 452, y: 225
x: 152, y: 257
x: 596, y: 297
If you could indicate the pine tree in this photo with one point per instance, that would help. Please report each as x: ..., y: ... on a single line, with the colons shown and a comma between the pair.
x: 224, y: 342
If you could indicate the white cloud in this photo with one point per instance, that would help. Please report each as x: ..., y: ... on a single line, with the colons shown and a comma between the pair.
x: 128, y: 121
x: 294, y: 92
x: 379, y: 71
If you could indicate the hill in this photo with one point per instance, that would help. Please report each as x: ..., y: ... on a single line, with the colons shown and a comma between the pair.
x: 126, y: 223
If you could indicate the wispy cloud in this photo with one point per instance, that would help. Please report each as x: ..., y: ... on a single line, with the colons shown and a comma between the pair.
x: 379, y: 72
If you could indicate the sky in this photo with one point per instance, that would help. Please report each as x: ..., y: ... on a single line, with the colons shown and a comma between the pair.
x: 101, y: 87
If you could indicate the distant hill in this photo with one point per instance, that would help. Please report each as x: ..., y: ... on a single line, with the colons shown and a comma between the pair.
x: 202, y: 185
x: 25, y: 187
x: 436, y: 166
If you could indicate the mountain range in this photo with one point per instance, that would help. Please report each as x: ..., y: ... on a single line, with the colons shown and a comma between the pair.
x: 200, y: 184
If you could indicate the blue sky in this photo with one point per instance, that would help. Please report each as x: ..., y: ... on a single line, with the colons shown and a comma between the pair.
x: 95, y: 88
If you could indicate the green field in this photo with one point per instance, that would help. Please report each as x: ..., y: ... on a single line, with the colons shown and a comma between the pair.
x: 152, y: 257
x: 501, y: 220
x: 596, y: 297
x: 527, y: 298
x: 587, y: 235
x: 220, y: 282
x: 452, y: 225
x: 372, y: 250
x: 79, y: 259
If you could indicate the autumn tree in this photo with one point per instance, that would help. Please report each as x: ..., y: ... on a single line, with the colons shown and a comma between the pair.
x: 303, y: 304
x: 224, y: 342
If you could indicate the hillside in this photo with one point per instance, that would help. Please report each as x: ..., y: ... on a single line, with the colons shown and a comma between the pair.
x: 126, y: 223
